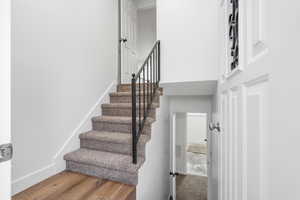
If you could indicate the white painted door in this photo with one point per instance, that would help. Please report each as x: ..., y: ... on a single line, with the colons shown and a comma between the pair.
x: 259, y: 103
x: 244, y: 105
x: 5, y: 167
x: 129, y: 37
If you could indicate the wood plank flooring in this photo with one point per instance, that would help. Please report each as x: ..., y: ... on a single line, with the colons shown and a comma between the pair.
x: 74, y: 186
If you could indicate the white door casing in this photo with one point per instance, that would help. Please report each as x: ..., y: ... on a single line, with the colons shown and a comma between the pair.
x: 243, y: 105
x: 178, y: 146
x: 214, y: 149
x: 5, y: 131
x: 178, y: 141
x: 128, y: 32
x: 173, y: 153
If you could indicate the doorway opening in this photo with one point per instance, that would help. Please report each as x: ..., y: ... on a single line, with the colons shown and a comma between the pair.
x: 189, y: 156
x: 137, y: 35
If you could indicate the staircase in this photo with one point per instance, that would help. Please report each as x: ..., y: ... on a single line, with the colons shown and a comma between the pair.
x: 115, y: 149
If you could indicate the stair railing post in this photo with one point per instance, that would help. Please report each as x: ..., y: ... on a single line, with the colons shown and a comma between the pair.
x: 134, y: 130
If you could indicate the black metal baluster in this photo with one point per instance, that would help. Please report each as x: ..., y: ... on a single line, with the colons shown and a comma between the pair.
x: 140, y: 109
x: 150, y: 72
x: 148, y: 77
x: 157, y: 65
x: 134, y: 133
x: 153, y: 71
x: 159, y: 61
x: 155, y: 53
x: 144, y: 94
x: 151, y: 66
x: 155, y: 68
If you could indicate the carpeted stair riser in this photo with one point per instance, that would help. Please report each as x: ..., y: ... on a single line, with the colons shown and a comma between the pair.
x: 127, y: 87
x: 118, y: 127
x: 104, y: 173
x: 127, y: 112
x: 112, y: 147
x: 106, y: 165
x: 126, y: 98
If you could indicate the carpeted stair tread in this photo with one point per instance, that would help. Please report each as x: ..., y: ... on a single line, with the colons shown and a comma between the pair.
x: 112, y: 137
x: 113, y: 161
x: 127, y: 87
x: 125, y: 105
x: 118, y: 119
x: 120, y: 94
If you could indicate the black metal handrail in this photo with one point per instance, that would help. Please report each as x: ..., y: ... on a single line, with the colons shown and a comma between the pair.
x: 144, y: 86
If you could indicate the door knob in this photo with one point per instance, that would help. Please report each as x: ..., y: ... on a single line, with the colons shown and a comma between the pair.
x: 6, y: 152
x: 123, y: 40
x: 214, y: 126
x: 174, y: 174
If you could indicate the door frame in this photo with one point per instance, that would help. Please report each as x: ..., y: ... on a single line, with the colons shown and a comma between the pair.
x: 119, y: 71
x: 5, y: 91
x: 126, y: 42
x: 172, y: 121
x: 172, y: 153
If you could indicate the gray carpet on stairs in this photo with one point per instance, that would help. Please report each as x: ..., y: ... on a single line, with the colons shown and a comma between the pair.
x: 105, y: 151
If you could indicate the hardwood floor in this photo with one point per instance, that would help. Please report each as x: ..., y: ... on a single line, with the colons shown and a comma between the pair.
x: 74, y: 186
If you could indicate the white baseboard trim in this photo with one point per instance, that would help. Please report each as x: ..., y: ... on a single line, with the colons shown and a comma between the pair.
x: 32, y: 178
x: 72, y: 143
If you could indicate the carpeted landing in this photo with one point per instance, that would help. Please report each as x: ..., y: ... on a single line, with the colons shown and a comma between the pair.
x: 189, y: 187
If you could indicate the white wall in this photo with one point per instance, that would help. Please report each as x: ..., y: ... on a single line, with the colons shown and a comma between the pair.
x: 64, y: 57
x: 191, y: 104
x: 146, y: 33
x: 196, y: 128
x: 154, y: 174
x: 188, y: 31
x: 283, y: 162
